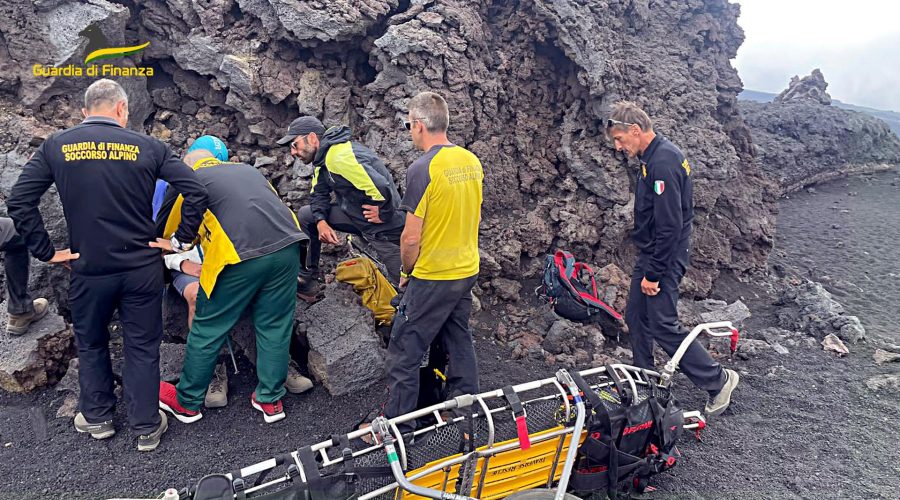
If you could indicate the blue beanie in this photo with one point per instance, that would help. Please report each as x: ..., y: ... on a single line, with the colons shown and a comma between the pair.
x: 212, y: 144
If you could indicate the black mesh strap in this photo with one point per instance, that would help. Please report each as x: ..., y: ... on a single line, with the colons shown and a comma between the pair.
x: 514, y: 402
x: 600, y: 413
x: 624, y: 392
x: 586, y: 390
x: 238, y: 484
x: 654, y: 388
x: 601, y: 418
x: 310, y: 468
x: 349, y: 469
x: 467, y: 439
x: 279, y: 460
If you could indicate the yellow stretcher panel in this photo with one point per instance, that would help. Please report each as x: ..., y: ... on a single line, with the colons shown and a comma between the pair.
x: 517, y: 469
x: 507, y: 472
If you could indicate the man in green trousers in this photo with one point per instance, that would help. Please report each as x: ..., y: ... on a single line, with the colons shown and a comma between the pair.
x: 250, y: 242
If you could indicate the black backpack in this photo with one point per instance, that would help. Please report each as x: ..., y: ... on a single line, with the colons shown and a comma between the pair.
x: 571, y: 288
x: 630, y: 437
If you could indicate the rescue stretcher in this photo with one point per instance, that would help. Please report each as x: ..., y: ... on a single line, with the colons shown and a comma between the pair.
x: 485, y: 446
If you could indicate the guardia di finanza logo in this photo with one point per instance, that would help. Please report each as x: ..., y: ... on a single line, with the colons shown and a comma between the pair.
x: 91, y: 68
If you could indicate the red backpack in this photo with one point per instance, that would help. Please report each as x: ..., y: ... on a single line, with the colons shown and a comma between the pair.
x: 571, y: 288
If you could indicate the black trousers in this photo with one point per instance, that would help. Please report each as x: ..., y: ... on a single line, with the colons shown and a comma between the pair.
x: 388, y: 249
x: 655, y: 319
x: 15, y: 262
x: 136, y: 294
x: 430, y: 309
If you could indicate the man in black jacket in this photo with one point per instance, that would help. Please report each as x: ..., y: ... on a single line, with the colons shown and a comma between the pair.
x: 663, y: 214
x: 368, y: 203
x: 106, y: 175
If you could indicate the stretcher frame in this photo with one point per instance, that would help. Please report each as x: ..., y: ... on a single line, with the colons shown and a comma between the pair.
x: 406, y: 484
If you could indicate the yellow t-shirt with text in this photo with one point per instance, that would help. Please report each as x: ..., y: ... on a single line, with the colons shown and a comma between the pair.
x: 443, y: 187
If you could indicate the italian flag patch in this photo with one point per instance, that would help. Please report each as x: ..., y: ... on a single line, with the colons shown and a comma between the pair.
x: 659, y: 187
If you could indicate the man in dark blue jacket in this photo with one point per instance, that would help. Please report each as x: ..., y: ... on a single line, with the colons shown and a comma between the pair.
x: 663, y: 214
x: 105, y: 175
x: 367, y: 201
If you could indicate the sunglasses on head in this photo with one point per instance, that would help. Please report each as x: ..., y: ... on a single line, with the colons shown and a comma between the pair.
x: 610, y: 123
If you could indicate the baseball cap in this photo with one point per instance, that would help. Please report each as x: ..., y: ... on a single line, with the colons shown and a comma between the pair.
x: 212, y: 144
x: 302, y: 126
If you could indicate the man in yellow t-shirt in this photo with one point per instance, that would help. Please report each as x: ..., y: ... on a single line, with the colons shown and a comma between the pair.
x: 439, y: 253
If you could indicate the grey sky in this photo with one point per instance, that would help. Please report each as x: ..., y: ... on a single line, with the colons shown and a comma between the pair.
x: 855, y: 43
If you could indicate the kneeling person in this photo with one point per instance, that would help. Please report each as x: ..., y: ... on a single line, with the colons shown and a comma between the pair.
x: 366, y: 199
x: 250, y: 243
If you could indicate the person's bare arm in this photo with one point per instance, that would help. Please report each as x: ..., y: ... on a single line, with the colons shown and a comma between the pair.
x: 410, y: 244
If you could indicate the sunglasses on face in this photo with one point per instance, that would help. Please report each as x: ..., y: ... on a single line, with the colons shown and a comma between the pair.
x: 610, y: 123
x: 408, y: 124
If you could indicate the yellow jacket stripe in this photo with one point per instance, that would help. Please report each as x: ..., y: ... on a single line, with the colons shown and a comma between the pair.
x: 341, y: 161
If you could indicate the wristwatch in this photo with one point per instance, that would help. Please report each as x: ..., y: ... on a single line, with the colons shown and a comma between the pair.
x: 404, y: 274
x: 180, y: 247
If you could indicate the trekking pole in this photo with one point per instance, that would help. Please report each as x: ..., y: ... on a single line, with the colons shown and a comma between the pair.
x: 566, y: 379
x: 350, y: 248
x: 356, y: 247
x: 380, y: 426
x: 351, y: 243
x: 231, y: 352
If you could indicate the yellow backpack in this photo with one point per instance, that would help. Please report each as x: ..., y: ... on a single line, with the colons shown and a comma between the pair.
x: 374, y: 289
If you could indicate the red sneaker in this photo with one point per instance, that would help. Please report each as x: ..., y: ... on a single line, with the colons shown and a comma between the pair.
x: 168, y: 400
x: 272, y: 412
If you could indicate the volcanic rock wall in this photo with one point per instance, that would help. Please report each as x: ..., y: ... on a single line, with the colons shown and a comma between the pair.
x: 527, y: 83
x: 800, y: 139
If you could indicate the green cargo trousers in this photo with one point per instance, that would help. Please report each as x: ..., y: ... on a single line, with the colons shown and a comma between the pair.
x: 268, y: 284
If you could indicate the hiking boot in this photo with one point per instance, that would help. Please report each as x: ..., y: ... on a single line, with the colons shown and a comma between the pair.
x: 149, y: 442
x: 19, y: 323
x: 295, y: 382
x: 272, y: 412
x: 102, y: 430
x: 168, y: 400
x: 716, y: 405
x: 309, y: 289
x: 217, y: 392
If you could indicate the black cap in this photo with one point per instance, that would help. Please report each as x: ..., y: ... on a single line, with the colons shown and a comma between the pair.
x: 302, y: 126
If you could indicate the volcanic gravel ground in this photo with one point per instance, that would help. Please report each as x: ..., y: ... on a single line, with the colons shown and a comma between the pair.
x: 845, y: 235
